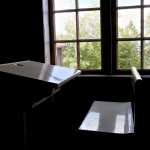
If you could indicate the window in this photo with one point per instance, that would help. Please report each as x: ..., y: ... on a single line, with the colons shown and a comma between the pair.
x: 77, y: 41
x: 133, y: 34
x: 99, y: 36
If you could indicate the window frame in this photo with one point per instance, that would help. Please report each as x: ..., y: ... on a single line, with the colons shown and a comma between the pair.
x: 114, y: 34
x: 108, y: 41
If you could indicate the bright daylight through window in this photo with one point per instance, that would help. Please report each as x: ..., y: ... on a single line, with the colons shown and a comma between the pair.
x: 133, y: 34
x: 95, y: 35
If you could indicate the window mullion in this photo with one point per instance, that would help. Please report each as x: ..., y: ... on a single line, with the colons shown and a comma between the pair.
x: 106, y: 36
x: 52, y: 32
x: 77, y: 35
x: 114, y: 43
x: 142, y: 34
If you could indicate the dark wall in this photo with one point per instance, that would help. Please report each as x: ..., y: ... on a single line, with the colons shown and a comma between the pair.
x: 22, y: 31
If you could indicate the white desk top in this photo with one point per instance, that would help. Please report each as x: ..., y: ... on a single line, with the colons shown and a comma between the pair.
x: 40, y: 71
x: 111, y: 117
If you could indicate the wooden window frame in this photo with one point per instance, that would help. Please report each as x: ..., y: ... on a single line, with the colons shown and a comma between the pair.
x: 108, y: 9
x: 116, y: 39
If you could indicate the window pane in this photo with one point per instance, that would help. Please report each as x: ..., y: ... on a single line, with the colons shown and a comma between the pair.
x: 128, y: 2
x: 89, y: 3
x: 147, y: 54
x: 64, y: 4
x: 147, y: 22
x: 66, y: 54
x: 129, y: 23
x: 65, y: 26
x: 89, y: 27
x: 128, y: 54
x: 146, y: 2
x: 90, y: 55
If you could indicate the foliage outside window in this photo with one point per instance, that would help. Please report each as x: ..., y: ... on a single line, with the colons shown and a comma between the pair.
x: 78, y: 40
x: 133, y: 30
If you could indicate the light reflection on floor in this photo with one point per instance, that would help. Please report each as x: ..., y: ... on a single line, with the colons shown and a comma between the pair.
x: 91, y: 121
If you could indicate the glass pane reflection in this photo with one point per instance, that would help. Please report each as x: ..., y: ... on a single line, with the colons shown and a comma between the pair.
x: 89, y: 27
x: 129, y: 54
x: 89, y: 3
x: 66, y: 54
x: 129, y: 23
x: 147, y: 22
x: 128, y: 2
x: 64, y: 4
x: 146, y: 2
x: 90, y: 55
x: 147, y: 54
x: 65, y: 24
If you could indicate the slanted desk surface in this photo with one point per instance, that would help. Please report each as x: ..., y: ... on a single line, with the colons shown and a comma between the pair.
x: 17, y: 99
x: 53, y: 74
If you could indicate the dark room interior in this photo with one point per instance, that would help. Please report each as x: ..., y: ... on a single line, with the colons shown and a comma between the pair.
x: 55, y: 123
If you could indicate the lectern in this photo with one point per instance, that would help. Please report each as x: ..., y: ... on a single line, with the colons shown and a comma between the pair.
x: 24, y: 86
